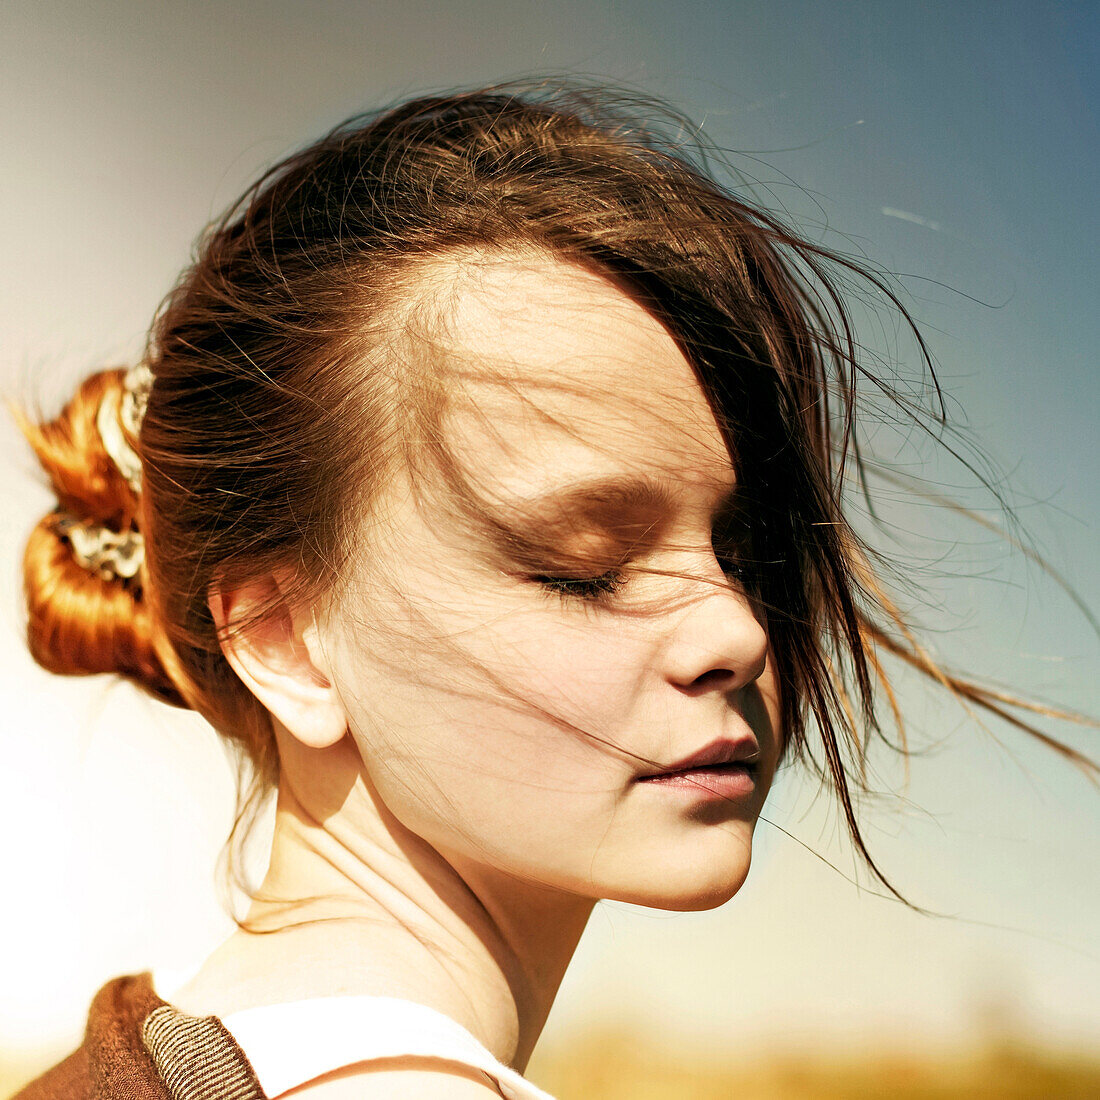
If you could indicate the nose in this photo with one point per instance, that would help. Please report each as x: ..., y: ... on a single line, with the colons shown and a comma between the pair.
x: 717, y: 643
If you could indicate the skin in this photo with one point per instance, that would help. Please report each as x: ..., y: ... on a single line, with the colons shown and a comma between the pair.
x: 461, y: 741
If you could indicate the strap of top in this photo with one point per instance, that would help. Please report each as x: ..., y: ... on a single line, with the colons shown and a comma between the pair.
x: 291, y: 1043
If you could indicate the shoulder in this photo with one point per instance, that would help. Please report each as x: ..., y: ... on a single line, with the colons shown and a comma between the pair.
x: 398, y: 1079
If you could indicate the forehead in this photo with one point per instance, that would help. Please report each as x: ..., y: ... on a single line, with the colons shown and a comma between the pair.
x: 553, y: 372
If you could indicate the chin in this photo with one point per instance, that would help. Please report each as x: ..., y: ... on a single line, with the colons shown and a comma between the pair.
x: 686, y: 888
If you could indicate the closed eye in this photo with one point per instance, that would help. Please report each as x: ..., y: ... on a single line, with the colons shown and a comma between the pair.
x: 583, y: 588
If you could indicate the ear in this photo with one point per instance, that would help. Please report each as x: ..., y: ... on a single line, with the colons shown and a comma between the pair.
x: 280, y: 661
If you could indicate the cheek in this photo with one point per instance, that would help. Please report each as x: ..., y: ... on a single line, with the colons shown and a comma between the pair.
x: 502, y: 703
x: 505, y: 739
x: 586, y: 672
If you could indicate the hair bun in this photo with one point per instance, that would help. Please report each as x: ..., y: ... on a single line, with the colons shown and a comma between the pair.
x: 82, y: 567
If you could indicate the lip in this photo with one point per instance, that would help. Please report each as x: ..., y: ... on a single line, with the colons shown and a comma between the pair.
x: 728, y: 782
x: 745, y: 751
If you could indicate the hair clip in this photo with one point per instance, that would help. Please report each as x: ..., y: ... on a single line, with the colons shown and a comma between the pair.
x: 108, y: 422
x: 109, y: 554
x: 114, y: 413
x: 136, y: 386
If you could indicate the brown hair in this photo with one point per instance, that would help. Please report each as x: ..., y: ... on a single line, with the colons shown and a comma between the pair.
x: 278, y: 384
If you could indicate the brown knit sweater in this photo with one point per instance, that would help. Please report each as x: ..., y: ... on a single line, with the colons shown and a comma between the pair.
x: 137, y: 1047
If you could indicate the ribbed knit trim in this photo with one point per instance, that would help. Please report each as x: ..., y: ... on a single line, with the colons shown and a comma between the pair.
x: 197, y: 1058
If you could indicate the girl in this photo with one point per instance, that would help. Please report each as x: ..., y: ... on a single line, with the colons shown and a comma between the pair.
x: 483, y: 483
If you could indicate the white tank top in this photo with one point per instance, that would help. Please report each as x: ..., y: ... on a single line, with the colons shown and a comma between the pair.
x: 291, y: 1043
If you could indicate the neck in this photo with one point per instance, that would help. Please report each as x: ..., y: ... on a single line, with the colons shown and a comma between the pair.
x: 398, y: 917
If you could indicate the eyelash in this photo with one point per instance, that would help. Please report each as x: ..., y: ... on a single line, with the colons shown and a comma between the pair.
x: 593, y: 589
x: 583, y: 588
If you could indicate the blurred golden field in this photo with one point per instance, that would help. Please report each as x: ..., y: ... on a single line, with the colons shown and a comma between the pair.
x: 619, y: 1065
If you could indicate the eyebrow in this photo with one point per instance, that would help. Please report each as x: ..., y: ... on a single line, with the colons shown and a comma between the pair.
x: 594, y: 496
x: 629, y: 511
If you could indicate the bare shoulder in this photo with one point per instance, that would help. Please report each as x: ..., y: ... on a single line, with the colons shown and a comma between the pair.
x: 398, y: 1079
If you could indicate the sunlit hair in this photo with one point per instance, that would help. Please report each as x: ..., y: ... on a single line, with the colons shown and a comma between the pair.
x: 284, y: 392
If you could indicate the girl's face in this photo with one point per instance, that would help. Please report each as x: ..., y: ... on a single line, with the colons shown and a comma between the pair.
x: 513, y: 679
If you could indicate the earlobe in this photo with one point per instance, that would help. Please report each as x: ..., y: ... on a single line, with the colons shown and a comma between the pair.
x: 279, y: 658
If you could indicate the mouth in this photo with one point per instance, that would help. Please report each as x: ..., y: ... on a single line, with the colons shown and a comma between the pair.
x: 727, y: 769
x: 727, y: 781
